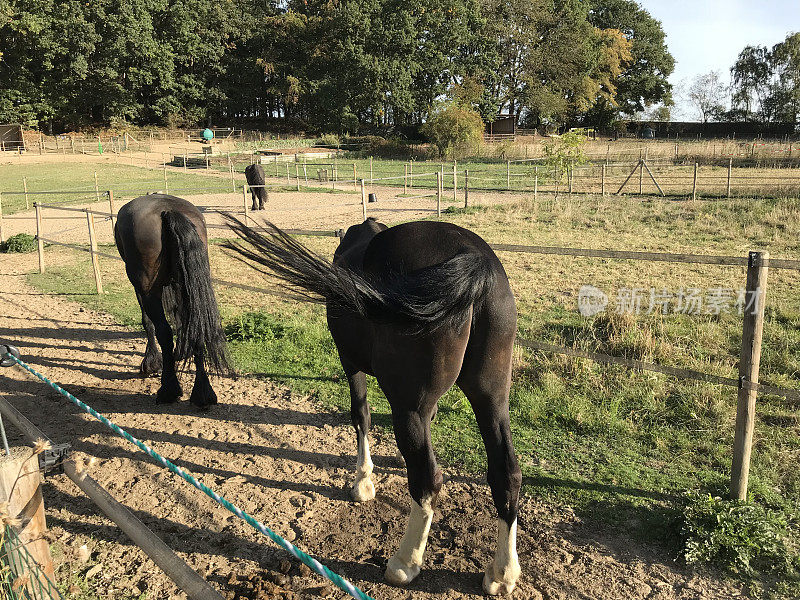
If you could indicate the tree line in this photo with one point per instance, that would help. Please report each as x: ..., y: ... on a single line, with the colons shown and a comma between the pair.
x: 764, y: 86
x: 326, y: 65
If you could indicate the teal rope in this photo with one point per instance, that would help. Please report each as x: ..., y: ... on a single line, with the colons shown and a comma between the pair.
x: 312, y: 563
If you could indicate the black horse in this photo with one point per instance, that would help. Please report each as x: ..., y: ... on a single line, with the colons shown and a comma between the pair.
x: 255, y: 179
x: 420, y: 306
x: 163, y: 241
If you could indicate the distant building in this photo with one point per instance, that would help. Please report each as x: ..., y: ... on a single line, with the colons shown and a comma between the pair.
x: 11, y: 138
x: 503, y: 125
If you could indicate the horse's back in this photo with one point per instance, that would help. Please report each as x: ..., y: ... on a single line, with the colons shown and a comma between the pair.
x: 138, y: 232
x: 420, y: 244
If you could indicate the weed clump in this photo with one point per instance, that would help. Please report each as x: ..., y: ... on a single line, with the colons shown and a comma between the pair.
x: 746, y: 539
x: 20, y: 243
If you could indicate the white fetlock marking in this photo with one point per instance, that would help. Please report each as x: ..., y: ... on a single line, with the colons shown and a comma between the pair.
x: 363, y: 489
x: 502, y: 573
x: 405, y: 565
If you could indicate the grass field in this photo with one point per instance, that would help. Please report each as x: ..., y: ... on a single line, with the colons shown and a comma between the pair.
x: 620, y: 447
x: 78, y: 178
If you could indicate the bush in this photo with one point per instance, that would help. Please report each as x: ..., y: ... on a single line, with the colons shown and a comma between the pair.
x: 22, y: 242
x: 744, y: 538
x: 330, y: 139
x: 456, y: 131
x: 255, y: 327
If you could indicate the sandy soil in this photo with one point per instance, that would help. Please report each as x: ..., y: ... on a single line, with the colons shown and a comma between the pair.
x: 280, y: 457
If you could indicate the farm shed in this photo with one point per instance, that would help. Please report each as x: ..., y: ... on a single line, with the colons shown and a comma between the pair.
x: 11, y: 137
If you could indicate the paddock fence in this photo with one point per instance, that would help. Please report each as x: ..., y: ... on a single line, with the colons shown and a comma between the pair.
x: 756, y: 264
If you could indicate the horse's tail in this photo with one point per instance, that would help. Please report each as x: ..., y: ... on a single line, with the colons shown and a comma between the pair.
x: 439, y: 295
x: 191, y: 302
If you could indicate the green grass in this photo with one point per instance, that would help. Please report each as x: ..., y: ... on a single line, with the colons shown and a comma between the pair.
x: 620, y: 447
x: 126, y: 182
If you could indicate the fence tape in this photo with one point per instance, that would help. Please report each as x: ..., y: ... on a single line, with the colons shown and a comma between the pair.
x: 312, y: 563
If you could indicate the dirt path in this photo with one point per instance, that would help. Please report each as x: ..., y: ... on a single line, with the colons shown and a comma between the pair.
x: 287, y: 462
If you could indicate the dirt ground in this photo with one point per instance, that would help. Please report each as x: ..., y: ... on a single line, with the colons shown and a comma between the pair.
x: 282, y: 458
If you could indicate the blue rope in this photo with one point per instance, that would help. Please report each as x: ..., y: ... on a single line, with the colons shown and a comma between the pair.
x: 312, y: 563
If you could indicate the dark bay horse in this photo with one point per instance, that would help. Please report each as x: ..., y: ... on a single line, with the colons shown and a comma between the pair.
x: 255, y: 179
x: 420, y: 306
x: 164, y: 244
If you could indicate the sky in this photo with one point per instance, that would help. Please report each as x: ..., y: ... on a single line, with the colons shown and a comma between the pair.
x: 707, y: 35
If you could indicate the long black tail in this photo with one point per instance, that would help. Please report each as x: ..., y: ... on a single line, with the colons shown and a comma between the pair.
x: 423, y: 301
x: 193, y: 305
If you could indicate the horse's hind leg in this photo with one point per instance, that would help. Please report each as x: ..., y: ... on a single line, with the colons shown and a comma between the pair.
x: 486, y: 379
x: 152, y: 362
x: 203, y: 394
x: 170, y: 389
x: 253, y: 194
x: 413, y: 434
x: 363, y: 489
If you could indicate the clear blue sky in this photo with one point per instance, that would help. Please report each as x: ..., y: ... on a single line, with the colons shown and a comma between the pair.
x: 706, y: 35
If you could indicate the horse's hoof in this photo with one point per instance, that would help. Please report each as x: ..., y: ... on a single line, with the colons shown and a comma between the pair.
x: 500, y: 583
x: 169, y: 392
x: 399, y: 573
x: 363, y: 490
x: 151, y: 364
x: 203, y: 398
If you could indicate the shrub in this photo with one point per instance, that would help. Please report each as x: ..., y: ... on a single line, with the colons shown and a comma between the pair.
x: 330, y: 139
x: 456, y: 131
x: 22, y: 242
x: 255, y: 327
x: 744, y: 538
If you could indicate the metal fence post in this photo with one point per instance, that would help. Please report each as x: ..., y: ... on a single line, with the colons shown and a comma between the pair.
x: 363, y: 201
x: 749, y: 361
x: 694, y: 183
x: 466, y: 188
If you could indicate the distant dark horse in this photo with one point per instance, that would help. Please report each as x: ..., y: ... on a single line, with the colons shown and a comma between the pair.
x: 163, y: 241
x: 420, y: 306
x: 255, y: 179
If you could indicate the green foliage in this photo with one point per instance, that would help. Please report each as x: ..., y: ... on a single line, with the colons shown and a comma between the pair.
x: 255, y: 327
x: 746, y: 539
x: 335, y: 66
x: 21, y: 242
x: 564, y: 154
x: 456, y: 131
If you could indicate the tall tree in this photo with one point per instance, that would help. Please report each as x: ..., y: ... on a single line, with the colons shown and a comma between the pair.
x: 708, y: 95
x: 644, y: 81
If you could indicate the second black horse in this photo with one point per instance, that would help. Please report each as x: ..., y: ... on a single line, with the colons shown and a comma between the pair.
x: 420, y: 306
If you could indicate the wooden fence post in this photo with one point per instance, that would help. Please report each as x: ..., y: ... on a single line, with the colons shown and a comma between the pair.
x: 288, y: 178
x: 355, y: 180
x: 466, y: 188
x: 370, y: 170
x: 111, y: 209
x: 603, y: 179
x: 2, y: 237
x: 730, y: 168
x: 305, y: 171
x: 93, y: 246
x: 363, y: 201
x: 694, y: 183
x: 411, y: 174
x: 439, y: 194
x: 405, y: 179
x: 25, y: 188
x: 244, y: 201
x: 297, y: 174
x: 749, y: 361
x: 166, y: 185
x: 40, y: 243
x: 20, y: 486
x: 508, y: 175
x: 96, y: 187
